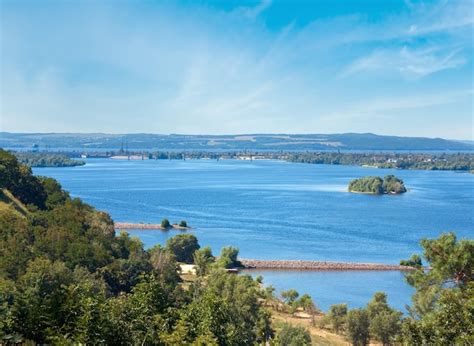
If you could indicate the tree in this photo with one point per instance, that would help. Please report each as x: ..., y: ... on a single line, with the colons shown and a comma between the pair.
x: 385, y: 323
x: 183, y: 247
x: 443, y: 308
x: 337, y: 316
x: 227, y: 306
x: 307, y: 304
x: 289, y: 296
x: 203, y: 258
x: 392, y: 184
x: 164, y: 264
x: 183, y: 223
x: 228, y: 258
x: 293, y: 336
x: 358, y: 327
x: 165, y: 223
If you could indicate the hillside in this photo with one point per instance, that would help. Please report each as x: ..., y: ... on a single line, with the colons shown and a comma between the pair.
x: 271, y: 142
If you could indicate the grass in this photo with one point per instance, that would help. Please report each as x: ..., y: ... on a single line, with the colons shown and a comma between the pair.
x: 9, y: 203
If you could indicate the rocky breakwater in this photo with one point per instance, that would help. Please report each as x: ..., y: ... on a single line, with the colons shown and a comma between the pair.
x: 318, y: 265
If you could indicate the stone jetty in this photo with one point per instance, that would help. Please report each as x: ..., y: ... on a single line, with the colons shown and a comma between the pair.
x: 317, y: 265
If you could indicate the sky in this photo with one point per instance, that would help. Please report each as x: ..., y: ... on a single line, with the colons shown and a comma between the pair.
x: 232, y: 67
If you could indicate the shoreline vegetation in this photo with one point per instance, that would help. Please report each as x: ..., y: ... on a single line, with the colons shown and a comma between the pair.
x: 390, y: 185
x: 418, y: 161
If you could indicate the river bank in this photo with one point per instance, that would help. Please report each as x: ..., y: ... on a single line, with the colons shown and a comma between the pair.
x: 318, y: 265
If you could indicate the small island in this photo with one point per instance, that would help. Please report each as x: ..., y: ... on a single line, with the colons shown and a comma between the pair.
x: 390, y: 184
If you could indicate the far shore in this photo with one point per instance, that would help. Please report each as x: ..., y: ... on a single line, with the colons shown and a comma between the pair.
x: 318, y: 265
x: 148, y: 226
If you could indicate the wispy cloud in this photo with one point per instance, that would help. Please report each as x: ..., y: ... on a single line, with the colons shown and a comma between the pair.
x: 412, y: 63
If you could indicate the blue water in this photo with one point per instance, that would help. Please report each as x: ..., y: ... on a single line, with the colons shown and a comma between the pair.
x: 279, y: 210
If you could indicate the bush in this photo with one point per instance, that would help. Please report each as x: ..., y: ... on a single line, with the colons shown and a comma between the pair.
x: 293, y: 336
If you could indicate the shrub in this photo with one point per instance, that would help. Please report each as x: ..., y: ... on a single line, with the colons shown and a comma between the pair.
x: 293, y: 336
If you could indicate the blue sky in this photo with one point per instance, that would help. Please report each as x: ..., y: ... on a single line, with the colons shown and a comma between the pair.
x: 215, y: 67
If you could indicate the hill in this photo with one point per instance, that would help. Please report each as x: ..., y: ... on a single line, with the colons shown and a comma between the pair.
x: 270, y: 142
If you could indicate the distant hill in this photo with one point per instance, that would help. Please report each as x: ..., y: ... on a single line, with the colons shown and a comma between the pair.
x: 345, y: 141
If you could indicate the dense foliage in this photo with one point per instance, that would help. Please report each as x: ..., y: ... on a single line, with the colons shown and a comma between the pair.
x: 46, y: 160
x: 375, y: 185
x: 443, y: 305
x: 65, y: 277
x: 183, y: 247
x: 442, y: 312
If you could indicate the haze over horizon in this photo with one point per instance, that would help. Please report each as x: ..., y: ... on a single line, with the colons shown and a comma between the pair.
x: 401, y: 68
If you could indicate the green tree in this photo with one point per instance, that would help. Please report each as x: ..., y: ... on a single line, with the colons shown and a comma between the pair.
x: 358, y: 327
x: 183, y: 223
x: 183, y: 247
x: 392, y: 184
x: 164, y: 264
x: 289, y: 296
x: 227, y: 306
x: 228, y: 258
x: 165, y: 223
x: 203, y: 259
x: 337, y: 316
x: 385, y: 323
x: 442, y: 310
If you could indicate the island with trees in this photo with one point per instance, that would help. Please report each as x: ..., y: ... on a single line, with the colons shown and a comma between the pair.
x: 66, y: 277
x: 390, y: 184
